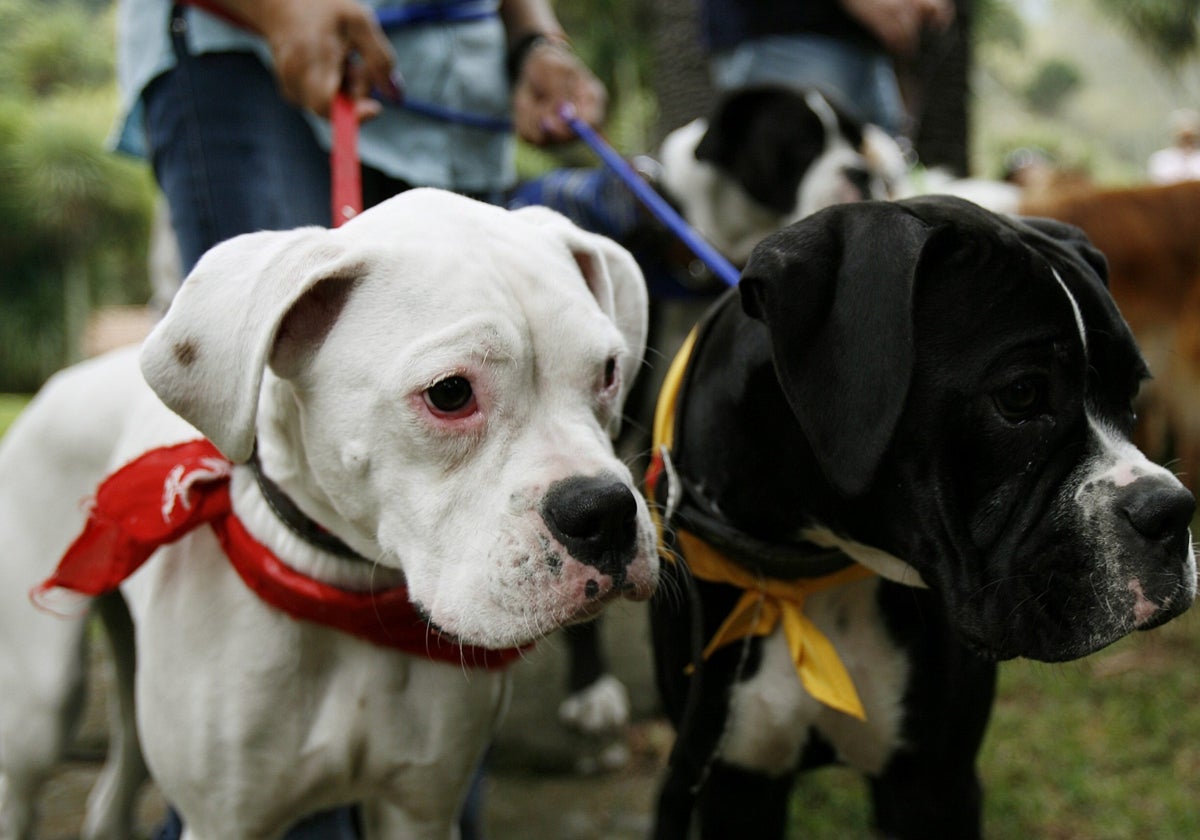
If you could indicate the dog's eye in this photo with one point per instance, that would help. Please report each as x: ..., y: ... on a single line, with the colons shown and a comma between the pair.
x: 1022, y: 399
x: 451, y: 397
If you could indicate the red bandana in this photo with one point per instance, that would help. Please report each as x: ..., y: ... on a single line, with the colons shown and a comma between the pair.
x: 160, y: 496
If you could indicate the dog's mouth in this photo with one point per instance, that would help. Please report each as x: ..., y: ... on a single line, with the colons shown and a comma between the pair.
x: 596, y: 595
x: 1087, y: 619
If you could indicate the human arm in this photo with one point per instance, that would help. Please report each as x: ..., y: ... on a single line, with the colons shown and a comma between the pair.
x: 547, y: 74
x: 312, y: 41
x: 898, y: 24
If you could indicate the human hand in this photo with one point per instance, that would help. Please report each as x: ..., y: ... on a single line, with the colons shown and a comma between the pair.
x: 321, y: 46
x: 550, y: 76
x: 898, y: 24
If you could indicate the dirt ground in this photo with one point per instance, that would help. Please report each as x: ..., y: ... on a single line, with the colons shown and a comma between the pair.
x: 544, y: 782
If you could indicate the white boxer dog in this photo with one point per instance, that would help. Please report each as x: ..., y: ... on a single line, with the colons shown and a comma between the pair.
x: 415, y: 407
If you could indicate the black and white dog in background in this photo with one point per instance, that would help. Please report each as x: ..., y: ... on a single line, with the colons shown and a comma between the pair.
x: 768, y: 156
x: 942, y: 396
x: 763, y: 158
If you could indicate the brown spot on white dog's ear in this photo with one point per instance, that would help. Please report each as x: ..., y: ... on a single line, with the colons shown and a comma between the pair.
x: 310, y: 319
x: 587, y: 267
x: 186, y: 352
x: 593, y: 271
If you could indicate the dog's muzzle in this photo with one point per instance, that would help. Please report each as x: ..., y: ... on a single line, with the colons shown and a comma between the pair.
x: 1159, y: 511
x: 595, y: 518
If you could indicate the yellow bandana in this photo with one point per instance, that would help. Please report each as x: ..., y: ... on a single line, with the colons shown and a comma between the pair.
x: 766, y: 604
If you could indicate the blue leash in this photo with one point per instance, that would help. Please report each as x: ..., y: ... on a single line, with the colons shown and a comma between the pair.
x: 450, y: 115
x: 655, y: 203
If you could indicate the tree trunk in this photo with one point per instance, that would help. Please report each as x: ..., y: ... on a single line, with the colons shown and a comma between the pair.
x: 937, y: 91
x: 680, y: 78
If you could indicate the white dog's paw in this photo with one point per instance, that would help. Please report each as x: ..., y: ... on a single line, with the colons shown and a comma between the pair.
x: 601, y: 707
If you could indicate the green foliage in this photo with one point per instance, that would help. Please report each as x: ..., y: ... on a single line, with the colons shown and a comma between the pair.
x: 52, y: 47
x: 997, y: 22
x: 615, y: 40
x: 1054, y: 81
x: 1168, y: 29
x: 74, y: 217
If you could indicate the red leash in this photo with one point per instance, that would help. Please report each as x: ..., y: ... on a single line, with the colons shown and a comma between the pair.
x: 344, y: 165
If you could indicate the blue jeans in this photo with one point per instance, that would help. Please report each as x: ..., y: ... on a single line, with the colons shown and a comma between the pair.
x: 230, y: 155
x: 861, y: 79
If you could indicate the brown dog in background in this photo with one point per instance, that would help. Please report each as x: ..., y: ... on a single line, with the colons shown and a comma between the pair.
x: 1151, y: 237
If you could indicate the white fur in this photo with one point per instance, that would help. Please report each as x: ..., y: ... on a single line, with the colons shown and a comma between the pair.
x: 770, y: 714
x: 732, y: 221
x: 249, y: 719
x: 601, y: 707
x: 713, y: 204
x: 1117, y: 464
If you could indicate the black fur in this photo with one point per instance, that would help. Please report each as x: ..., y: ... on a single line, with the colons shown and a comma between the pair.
x: 767, y: 138
x: 862, y: 381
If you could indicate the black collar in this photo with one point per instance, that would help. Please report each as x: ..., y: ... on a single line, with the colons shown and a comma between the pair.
x: 296, y: 521
x: 692, y: 511
x: 777, y: 560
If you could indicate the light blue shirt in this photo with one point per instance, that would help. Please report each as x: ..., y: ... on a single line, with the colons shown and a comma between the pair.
x: 459, y: 66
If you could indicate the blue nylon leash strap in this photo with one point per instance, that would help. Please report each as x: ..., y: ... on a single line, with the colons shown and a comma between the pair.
x: 664, y: 212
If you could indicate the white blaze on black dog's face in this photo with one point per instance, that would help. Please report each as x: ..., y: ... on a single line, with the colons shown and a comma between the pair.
x: 996, y: 445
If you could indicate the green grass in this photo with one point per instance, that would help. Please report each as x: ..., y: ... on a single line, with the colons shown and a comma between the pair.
x: 1106, y: 748
x: 10, y: 407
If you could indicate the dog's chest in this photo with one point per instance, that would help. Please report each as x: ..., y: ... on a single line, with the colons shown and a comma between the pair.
x: 772, y: 717
x: 335, y: 716
x: 371, y: 723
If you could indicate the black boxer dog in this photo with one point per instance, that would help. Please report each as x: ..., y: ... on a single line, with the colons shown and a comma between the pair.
x: 899, y: 453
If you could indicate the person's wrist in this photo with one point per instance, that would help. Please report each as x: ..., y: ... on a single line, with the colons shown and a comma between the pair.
x: 523, y: 46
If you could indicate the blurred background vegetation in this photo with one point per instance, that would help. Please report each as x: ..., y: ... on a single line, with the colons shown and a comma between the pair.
x: 74, y: 218
x: 1089, y: 81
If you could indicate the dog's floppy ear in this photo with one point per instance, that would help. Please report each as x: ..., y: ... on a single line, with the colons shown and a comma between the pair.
x: 205, y: 359
x: 836, y: 293
x: 614, y: 278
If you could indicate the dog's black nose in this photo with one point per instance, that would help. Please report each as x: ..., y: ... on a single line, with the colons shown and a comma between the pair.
x: 595, y: 518
x: 1158, y: 508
